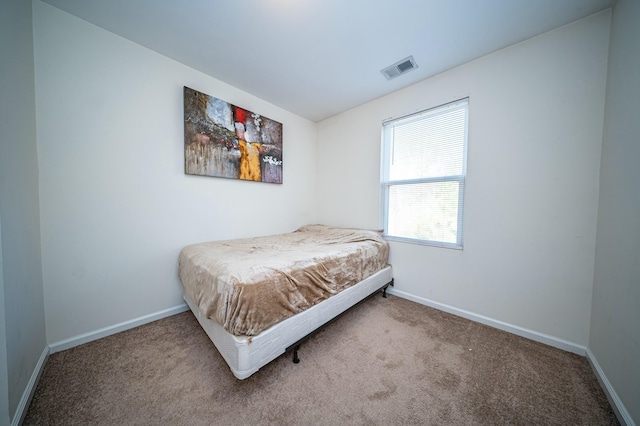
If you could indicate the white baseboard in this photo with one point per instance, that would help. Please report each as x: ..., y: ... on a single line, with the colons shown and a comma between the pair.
x: 21, y: 410
x: 514, y: 329
x: 117, y: 328
x: 616, y: 403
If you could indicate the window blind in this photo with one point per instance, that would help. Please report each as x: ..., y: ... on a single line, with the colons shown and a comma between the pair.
x: 423, y: 175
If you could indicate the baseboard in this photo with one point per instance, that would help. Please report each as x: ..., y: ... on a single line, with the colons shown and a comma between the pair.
x: 21, y: 410
x: 117, y: 328
x: 616, y: 403
x: 519, y: 331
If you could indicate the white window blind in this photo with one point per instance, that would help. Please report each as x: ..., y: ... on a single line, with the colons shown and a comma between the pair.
x: 423, y: 175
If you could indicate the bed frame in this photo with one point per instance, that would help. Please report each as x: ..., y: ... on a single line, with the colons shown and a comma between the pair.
x: 247, y: 354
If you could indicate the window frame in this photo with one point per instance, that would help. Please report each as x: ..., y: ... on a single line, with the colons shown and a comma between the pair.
x: 387, y: 183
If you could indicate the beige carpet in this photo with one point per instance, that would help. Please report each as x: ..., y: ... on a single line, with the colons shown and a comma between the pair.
x: 386, y: 362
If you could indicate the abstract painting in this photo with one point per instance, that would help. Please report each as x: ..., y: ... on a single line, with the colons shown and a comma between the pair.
x: 224, y: 140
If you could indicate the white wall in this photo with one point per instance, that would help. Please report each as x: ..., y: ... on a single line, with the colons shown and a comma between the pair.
x: 536, y: 114
x: 116, y: 206
x: 23, y: 338
x: 615, y: 321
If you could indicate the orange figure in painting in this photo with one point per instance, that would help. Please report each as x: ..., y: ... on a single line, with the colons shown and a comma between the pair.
x: 249, y: 152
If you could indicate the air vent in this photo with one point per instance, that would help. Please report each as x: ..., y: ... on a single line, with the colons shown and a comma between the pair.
x: 400, y: 67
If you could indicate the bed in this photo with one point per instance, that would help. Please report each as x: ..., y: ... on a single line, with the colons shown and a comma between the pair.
x: 257, y: 298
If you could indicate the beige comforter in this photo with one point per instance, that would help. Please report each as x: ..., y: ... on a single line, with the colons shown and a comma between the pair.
x: 247, y: 285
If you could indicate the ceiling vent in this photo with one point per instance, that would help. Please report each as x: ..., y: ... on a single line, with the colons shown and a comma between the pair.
x: 400, y: 67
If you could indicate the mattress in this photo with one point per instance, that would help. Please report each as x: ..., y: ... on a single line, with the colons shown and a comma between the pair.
x: 248, y: 285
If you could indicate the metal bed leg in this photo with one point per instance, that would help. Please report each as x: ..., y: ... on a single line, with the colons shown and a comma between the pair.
x: 384, y: 289
x: 295, y: 354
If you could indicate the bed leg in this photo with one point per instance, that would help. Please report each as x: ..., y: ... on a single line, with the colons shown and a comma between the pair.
x: 384, y: 289
x: 295, y: 354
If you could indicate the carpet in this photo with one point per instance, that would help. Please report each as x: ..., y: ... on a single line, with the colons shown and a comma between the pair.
x: 386, y: 362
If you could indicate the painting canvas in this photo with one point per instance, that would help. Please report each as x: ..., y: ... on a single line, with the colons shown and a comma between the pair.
x: 224, y: 140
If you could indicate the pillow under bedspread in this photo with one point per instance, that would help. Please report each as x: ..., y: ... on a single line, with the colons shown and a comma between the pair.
x: 248, y: 285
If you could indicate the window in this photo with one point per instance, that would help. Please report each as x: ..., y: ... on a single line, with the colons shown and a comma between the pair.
x: 424, y: 167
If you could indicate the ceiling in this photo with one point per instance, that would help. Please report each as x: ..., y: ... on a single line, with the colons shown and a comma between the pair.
x: 317, y: 58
